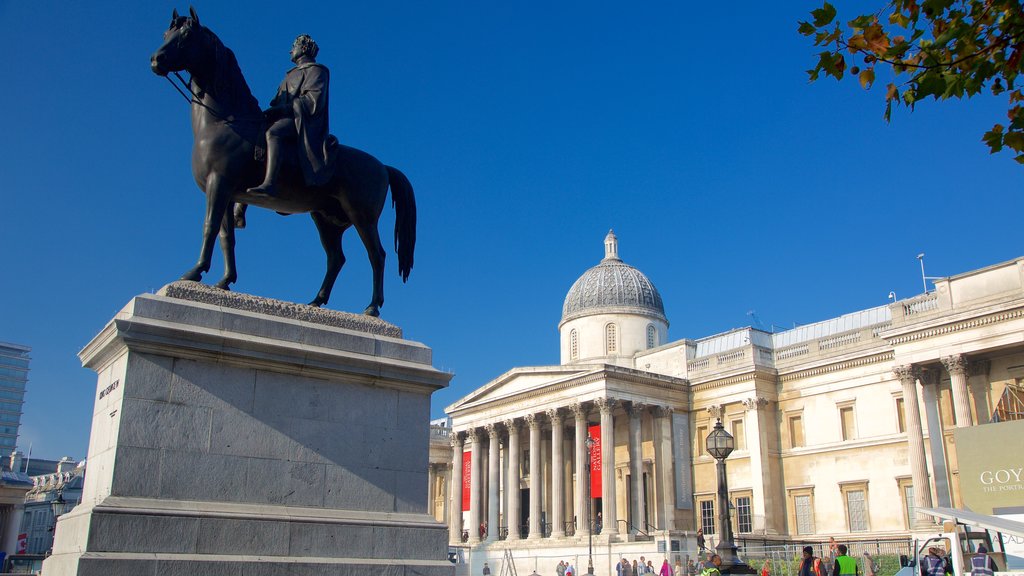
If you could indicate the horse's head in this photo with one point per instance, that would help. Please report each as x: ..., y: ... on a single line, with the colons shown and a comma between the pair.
x: 182, y: 47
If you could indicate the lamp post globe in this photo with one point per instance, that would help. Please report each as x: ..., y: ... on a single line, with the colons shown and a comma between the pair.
x: 720, y: 445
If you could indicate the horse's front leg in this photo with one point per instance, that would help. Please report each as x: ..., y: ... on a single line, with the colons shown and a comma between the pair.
x: 227, y: 247
x: 218, y: 197
x: 330, y: 238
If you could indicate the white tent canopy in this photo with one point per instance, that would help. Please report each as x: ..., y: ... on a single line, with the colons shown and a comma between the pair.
x: 996, y: 523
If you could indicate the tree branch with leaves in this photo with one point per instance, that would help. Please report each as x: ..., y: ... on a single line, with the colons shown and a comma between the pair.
x: 934, y: 48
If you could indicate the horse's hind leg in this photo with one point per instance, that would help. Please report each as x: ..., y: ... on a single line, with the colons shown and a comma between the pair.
x: 375, y: 251
x: 227, y: 247
x: 330, y: 238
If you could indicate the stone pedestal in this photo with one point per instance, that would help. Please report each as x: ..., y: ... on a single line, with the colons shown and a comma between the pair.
x: 235, y: 435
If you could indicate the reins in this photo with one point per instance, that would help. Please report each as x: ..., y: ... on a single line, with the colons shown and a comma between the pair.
x: 196, y: 100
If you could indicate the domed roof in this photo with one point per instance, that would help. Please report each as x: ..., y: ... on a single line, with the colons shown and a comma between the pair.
x: 612, y: 286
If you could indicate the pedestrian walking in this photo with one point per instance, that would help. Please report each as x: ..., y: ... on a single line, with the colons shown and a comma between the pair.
x: 714, y: 566
x: 487, y: 569
x: 678, y: 569
x: 844, y: 565
x: 560, y: 569
x: 665, y: 570
x: 636, y: 569
x: 701, y: 544
x: 933, y: 564
x: 810, y: 565
x: 981, y: 563
x: 766, y: 568
x: 869, y: 564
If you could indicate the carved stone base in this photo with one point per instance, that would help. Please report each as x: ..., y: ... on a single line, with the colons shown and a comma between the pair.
x: 231, y: 439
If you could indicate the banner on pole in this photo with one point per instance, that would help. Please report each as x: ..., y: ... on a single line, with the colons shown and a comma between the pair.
x: 467, y: 471
x: 595, y: 461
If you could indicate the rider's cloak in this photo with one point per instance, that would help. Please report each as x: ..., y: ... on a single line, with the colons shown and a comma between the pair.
x: 304, y: 90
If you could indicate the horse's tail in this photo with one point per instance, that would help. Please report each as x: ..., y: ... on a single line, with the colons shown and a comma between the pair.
x: 404, y: 202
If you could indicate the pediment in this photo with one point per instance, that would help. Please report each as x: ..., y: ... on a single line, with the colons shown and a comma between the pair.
x: 519, y: 381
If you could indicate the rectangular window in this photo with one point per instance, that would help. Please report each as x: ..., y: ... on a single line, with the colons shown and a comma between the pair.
x: 739, y: 435
x: 804, y: 514
x: 857, y: 511
x: 707, y: 516
x: 908, y: 504
x: 796, y: 432
x: 744, y: 518
x: 901, y: 416
x: 946, y: 407
x: 848, y: 424
x: 702, y: 437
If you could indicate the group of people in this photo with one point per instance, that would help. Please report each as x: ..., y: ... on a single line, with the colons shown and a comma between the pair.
x: 839, y: 564
x: 936, y: 563
x: 645, y: 567
x: 565, y: 569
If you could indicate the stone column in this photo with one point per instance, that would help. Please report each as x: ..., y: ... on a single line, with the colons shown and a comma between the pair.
x: 757, y: 423
x: 475, y: 495
x: 455, y: 505
x: 12, y: 527
x: 980, y: 389
x: 956, y: 365
x: 939, y: 472
x: 493, y: 482
x: 582, y: 479
x: 611, y: 519
x: 557, y: 474
x: 512, y: 484
x: 663, y: 488
x: 535, y: 476
x: 636, y: 467
x: 915, y: 444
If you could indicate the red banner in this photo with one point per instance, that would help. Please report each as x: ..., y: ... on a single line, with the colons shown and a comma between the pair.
x: 467, y: 470
x: 595, y: 461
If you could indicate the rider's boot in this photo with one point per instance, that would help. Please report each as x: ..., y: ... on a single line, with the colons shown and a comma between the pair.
x: 269, y: 187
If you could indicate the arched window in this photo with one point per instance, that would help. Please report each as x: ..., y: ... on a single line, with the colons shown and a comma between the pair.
x: 652, y: 336
x: 574, y: 345
x: 611, y: 345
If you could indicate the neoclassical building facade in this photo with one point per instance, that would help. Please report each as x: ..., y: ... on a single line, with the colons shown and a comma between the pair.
x: 842, y: 427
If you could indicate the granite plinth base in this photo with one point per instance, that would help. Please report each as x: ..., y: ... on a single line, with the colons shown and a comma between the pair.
x: 231, y: 439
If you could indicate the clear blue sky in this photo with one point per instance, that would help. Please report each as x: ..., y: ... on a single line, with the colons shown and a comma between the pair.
x: 528, y: 130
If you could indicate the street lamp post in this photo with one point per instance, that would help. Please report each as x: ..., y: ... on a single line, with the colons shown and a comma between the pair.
x: 59, y: 506
x: 719, y: 445
x: 590, y: 505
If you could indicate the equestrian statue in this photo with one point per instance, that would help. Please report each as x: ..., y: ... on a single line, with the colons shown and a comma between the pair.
x: 282, y: 159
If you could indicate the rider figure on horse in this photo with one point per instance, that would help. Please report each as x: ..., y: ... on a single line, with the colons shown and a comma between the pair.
x: 297, y: 118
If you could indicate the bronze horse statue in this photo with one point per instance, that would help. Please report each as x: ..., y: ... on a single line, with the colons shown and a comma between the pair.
x: 228, y: 125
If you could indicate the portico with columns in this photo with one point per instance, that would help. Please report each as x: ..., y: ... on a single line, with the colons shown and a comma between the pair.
x: 540, y: 444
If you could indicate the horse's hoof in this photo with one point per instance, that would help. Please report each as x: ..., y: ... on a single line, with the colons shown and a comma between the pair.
x: 239, y: 222
x: 224, y: 284
x: 195, y: 274
x: 317, y: 303
x: 372, y: 310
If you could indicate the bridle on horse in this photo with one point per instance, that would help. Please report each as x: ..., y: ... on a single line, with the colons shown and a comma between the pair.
x: 195, y: 99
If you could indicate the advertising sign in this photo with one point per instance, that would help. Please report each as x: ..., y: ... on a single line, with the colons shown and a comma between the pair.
x: 991, y: 475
